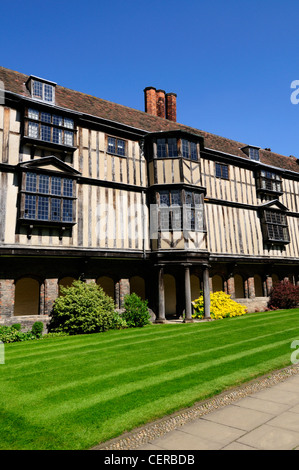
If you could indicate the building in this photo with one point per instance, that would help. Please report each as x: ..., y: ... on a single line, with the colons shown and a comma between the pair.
x: 135, y: 201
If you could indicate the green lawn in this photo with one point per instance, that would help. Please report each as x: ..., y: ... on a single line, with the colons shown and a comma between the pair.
x: 74, y: 392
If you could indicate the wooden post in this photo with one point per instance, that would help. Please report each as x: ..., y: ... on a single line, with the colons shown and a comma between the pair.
x: 206, y: 291
x: 161, y: 294
x: 188, y: 309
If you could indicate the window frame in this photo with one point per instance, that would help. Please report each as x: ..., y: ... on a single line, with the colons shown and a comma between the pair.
x: 37, y: 194
x: 180, y: 153
x: 52, y: 126
x: 188, y: 211
x: 42, y: 97
x: 263, y: 180
x: 221, y: 167
x: 270, y: 219
x: 116, y: 146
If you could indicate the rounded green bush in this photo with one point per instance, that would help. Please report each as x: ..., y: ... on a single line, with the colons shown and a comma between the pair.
x: 136, y: 312
x: 82, y: 308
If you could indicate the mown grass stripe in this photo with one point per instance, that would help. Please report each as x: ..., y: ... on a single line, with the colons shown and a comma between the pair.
x: 121, y: 373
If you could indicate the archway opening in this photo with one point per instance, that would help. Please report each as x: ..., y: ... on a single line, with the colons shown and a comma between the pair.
x: 195, y: 287
x: 258, y: 286
x: 137, y: 285
x: 217, y: 283
x: 239, y: 287
x: 107, y: 285
x: 65, y: 282
x: 27, y: 297
x: 170, y: 294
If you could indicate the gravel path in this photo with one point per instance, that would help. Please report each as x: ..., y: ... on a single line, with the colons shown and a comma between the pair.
x: 141, y: 436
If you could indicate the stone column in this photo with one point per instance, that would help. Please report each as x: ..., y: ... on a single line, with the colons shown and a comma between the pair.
x: 251, y: 288
x: 231, y: 286
x: 7, y: 298
x: 206, y: 291
x: 161, y: 296
x: 51, y: 293
x: 124, y: 289
x: 188, y: 307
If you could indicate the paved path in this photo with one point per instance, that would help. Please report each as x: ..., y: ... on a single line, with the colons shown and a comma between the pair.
x: 267, y: 419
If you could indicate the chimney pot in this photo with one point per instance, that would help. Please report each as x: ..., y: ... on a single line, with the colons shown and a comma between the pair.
x: 161, y: 107
x: 150, y: 100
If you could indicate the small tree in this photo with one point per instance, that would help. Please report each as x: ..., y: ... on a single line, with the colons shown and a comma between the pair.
x: 83, y: 308
x: 284, y: 295
x: 136, y: 312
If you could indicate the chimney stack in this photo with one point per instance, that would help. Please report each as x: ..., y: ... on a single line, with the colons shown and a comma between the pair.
x: 160, y: 104
x: 171, y: 106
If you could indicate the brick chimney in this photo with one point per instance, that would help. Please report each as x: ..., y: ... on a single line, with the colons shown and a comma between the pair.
x: 160, y: 95
x: 160, y: 104
x: 150, y: 100
x: 171, y: 106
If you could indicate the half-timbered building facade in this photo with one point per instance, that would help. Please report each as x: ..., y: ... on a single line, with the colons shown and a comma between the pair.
x: 135, y: 201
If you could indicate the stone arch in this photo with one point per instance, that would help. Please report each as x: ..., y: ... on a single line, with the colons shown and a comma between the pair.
x: 239, y: 286
x: 195, y: 286
x: 217, y: 283
x: 258, y: 286
x: 170, y: 294
x: 27, y: 293
x: 65, y: 282
x: 107, y: 285
x: 137, y: 285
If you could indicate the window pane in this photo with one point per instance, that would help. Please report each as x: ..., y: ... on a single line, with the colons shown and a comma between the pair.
x: 67, y: 215
x: 68, y: 138
x: 45, y: 117
x: 218, y: 170
x: 185, y: 148
x: 57, y: 135
x: 56, y: 185
x: 67, y: 187
x: 48, y: 91
x: 193, y: 150
x: 175, y: 198
x: 164, y: 198
x: 189, y: 201
x: 42, y: 208
x: 43, y: 184
x: 172, y: 148
x: 69, y: 123
x: 165, y: 218
x: 161, y: 148
x: 177, y: 218
x: 57, y: 120
x: 111, y: 145
x: 30, y: 206
x: 225, y: 171
x: 46, y: 133
x: 33, y: 114
x: 120, y: 147
x: 37, y: 89
x: 55, y: 209
x: 30, y: 182
x: 33, y: 130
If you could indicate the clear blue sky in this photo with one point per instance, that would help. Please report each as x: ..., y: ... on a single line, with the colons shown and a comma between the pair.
x: 231, y: 62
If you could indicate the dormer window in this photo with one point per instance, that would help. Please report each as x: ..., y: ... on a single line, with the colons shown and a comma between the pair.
x: 41, y: 89
x: 252, y: 152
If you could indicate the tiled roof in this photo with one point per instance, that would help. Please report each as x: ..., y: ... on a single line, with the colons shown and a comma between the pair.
x: 83, y: 103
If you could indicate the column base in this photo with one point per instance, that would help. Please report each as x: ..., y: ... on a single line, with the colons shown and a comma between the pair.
x: 188, y: 320
x: 160, y: 320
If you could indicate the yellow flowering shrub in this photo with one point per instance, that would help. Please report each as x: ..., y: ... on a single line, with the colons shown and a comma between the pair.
x: 222, y: 306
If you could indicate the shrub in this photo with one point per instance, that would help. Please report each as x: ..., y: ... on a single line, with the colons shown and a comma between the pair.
x: 136, y: 312
x: 83, y: 308
x: 9, y: 334
x: 222, y: 306
x: 37, y: 329
x: 284, y: 295
x: 16, y: 326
